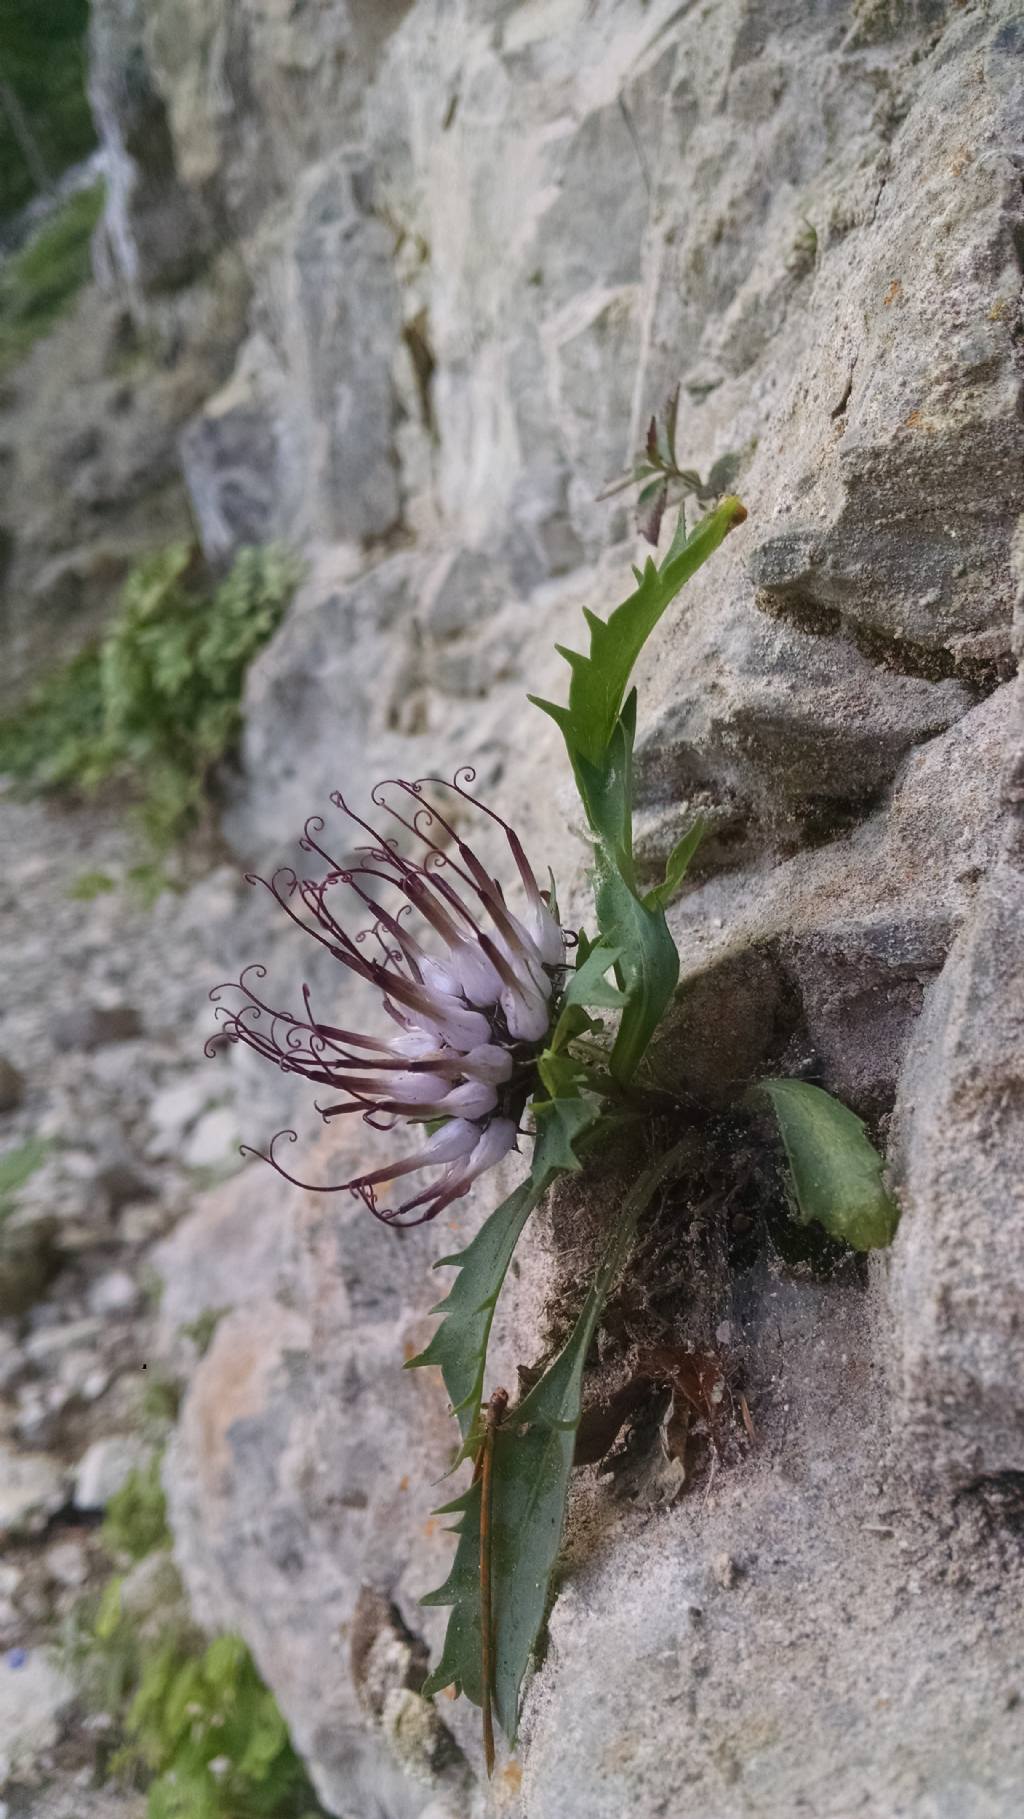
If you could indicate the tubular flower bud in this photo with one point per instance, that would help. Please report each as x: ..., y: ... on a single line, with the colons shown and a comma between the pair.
x: 467, y: 983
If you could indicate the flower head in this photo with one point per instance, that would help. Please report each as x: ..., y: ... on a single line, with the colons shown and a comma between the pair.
x: 467, y: 982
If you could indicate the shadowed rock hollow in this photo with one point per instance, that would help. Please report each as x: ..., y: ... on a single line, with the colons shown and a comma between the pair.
x: 472, y: 247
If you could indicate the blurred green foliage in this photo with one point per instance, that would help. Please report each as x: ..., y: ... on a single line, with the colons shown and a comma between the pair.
x: 193, y: 1721
x: 90, y: 885
x: 212, y: 1736
x: 43, y: 59
x: 38, y: 283
x: 161, y: 1400
x: 202, y: 1329
x: 18, y: 1166
x: 172, y: 669
x: 157, y: 703
x: 135, y: 1522
x: 47, y: 743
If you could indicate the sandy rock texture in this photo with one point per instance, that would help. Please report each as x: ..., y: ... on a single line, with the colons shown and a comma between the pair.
x: 475, y: 246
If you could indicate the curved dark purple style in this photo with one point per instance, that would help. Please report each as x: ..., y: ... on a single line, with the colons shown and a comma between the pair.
x: 471, y: 1011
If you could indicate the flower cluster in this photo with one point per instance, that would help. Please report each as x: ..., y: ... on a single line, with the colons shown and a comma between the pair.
x: 471, y: 1008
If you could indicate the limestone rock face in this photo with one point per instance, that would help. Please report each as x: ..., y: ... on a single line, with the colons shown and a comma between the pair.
x: 799, y: 1634
x: 474, y: 246
x: 961, y: 1343
x: 91, y: 480
x: 956, y: 1305
x: 156, y: 233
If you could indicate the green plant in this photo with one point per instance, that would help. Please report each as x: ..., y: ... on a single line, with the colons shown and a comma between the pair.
x: 157, y: 704
x: 803, y: 255
x: 194, y: 1720
x: 172, y: 669
x: 661, y: 480
x: 213, y: 1738
x: 135, y: 1523
x: 202, y: 1328
x: 39, y: 282
x: 53, y: 741
x: 499, y: 1036
x: 196, y: 1723
x: 161, y: 1401
x: 18, y: 1166
x: 90, y: 885
x: 511, y: 1517
x: 835, y: 1173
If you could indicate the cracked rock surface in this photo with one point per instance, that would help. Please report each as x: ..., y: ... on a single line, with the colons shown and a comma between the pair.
x: 474, y: 246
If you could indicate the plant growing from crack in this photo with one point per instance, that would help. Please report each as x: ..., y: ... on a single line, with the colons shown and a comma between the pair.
x: 662, y: 482
x: 495, y: 1042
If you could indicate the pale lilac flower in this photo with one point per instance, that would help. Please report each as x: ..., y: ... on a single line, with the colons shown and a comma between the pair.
x: 469, y: 988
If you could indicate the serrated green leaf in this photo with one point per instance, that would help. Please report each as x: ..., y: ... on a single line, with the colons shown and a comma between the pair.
x: 676, y: 868
x: 560, y: 715
x: 648, y: 966
x: 574, y: 1021
x: 598, y: 726
x: 606, y: 791
x: 836, y: 1171
x: 561, y: 1123
x: 679, y: 538
x: 532, y: 1461
x: 588, y: 987
x: 599, y: 679
x: 459, y: 1346
x: 560, y: 1077
x: 461, y: 1663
